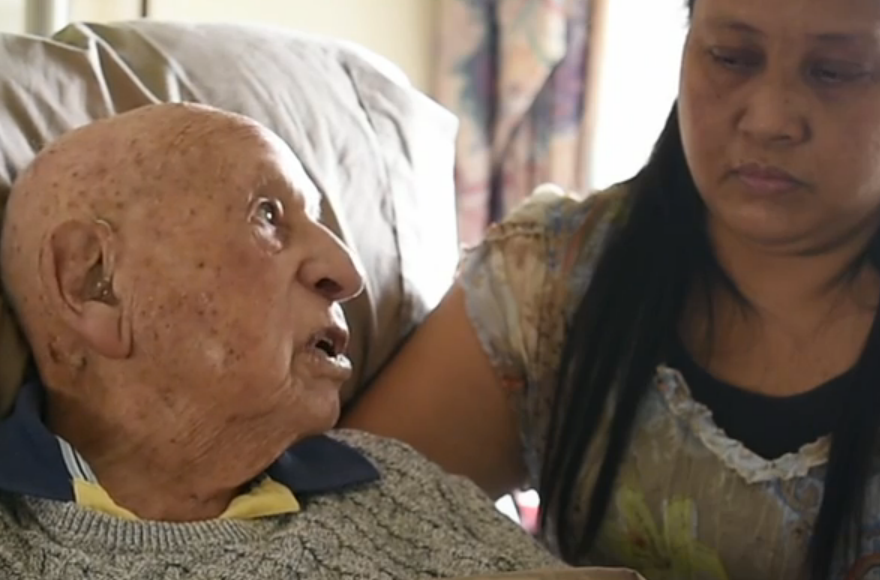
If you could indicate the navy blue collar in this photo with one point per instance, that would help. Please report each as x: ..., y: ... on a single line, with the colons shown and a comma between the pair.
x: 31, y: 462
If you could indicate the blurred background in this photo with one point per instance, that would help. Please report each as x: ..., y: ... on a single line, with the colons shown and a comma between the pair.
x: 569, y: 91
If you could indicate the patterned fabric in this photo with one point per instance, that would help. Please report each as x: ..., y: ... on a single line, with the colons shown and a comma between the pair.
x: 514, y: 71
x: 690, y: 502
x: 416, y: 522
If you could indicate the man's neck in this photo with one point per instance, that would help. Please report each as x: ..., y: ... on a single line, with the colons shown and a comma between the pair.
x: 162, y: 480
x: 164, y: 500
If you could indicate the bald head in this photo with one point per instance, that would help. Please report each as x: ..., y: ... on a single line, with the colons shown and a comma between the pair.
x: 174, y: 282
x: 98, y: 173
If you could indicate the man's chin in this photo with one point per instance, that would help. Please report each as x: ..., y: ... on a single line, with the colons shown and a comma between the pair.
x: 323, y: 414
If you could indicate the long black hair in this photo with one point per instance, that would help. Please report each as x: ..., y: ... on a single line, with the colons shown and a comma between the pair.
x: 619, y: 334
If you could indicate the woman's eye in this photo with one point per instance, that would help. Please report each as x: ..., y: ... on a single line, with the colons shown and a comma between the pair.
x: 836, y: 74
x: 269, y: 211
x: 735, y: 60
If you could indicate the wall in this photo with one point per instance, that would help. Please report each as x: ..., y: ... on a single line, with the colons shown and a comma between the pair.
x: 637, y: 85
x: 11, y: 15
x: 12, y: 12
x: 400, y: 30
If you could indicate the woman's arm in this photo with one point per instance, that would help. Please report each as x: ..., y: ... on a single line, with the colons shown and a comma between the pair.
x: 475, y: 386
x: 442, y: 395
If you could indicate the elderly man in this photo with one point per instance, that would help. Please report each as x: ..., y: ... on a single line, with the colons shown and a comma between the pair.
x: 182, y: 302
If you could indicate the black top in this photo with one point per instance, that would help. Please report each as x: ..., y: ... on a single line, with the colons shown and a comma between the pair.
x: 768, y: 426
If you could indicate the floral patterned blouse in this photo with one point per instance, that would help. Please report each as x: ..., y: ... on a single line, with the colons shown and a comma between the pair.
x: 690, y: 502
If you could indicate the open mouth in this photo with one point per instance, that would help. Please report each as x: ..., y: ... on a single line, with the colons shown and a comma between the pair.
x: 325, y: 355
x: 326, y: 346
x: 332, y: 341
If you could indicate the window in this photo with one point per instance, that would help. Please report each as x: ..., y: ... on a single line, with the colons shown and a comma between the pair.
x: 637, y: 84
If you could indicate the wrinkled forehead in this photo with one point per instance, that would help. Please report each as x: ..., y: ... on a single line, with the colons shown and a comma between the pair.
x: 243, y: 165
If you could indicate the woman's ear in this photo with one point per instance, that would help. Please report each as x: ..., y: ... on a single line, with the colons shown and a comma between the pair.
x: 77, y: 263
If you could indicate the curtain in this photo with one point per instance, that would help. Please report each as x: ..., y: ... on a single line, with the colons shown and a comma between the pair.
x: 516, y: 74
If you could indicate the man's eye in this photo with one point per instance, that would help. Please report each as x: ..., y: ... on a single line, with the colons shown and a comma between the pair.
x: 269, y: 211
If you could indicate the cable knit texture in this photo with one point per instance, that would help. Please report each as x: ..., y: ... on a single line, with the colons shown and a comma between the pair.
x: 416, y: 522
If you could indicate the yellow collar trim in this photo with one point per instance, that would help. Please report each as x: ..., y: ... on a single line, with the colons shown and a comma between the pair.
x: 268, y: 498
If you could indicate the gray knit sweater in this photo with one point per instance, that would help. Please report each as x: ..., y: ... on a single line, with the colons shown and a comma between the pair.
x: 416, y: 522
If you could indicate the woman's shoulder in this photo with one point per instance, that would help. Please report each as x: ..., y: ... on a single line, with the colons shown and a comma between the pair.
x: 553, y: 214
x: 524, y: 281
x: 543, y: 253
x: 522, y: 285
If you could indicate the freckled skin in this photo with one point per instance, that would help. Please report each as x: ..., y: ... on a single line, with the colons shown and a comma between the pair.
x: 221, y: 277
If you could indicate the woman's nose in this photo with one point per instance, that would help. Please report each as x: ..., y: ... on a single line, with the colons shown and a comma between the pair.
x: 773, y: 115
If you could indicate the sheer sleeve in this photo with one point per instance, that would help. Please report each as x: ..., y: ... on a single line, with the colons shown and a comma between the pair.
x: 522, y: 285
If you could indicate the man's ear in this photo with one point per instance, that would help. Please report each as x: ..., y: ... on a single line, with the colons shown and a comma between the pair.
x: 76, y: 271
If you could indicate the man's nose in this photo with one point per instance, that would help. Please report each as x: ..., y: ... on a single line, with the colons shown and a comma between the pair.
x: 331, y: 269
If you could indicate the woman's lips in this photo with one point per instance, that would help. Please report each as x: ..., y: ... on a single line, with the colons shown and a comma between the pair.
x: 766, y: 180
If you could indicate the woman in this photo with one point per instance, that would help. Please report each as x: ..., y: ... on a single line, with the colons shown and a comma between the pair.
x: 688, y: 356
